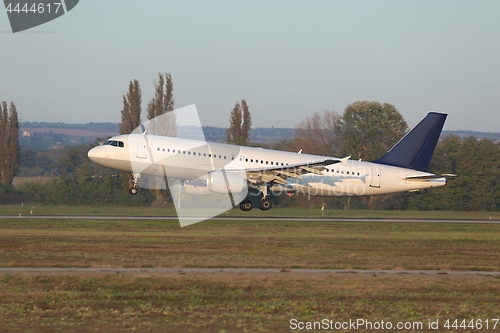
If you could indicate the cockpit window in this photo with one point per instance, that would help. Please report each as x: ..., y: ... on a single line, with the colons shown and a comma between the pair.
x: 114, y: 143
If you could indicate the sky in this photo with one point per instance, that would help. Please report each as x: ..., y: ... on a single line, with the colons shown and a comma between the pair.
x: 287, y: 59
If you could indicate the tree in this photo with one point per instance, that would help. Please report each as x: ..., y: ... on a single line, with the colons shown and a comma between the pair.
x: 315, y: 134
x: 240, y: 123
x: 131, y: 112
x: 9, y: 143
x: 477, y: 186
x: 131, y: 117
x: 160, y: 104
x: 162, y: 124
x: 368, y: 129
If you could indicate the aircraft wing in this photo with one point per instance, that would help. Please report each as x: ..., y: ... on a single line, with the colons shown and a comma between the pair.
x: 279, y: 174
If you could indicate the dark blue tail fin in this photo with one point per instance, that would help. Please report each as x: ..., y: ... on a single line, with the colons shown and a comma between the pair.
x: 415, y: 150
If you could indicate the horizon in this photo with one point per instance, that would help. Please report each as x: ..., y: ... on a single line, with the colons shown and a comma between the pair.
x: 225, y: 127
x: 287, y: 59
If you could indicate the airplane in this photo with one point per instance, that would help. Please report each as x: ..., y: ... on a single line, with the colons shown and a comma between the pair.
x: 217, y: 168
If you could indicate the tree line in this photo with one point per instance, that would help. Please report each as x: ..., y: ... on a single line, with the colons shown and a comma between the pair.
x: 365, y: 130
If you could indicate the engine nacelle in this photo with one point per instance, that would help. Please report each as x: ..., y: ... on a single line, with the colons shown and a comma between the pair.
x: 223, y: 181
x: 195, y: 190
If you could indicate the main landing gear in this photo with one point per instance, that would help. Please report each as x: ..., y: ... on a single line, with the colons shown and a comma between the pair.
x: 264, y: 204
x: 134, y: 189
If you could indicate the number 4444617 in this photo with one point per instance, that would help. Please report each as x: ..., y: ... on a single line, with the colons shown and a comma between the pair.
x: 471, y: 324
x: 34, y: 8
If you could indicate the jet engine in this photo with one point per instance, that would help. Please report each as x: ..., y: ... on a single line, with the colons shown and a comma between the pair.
x: 224, y: 182
x: 195, y: 190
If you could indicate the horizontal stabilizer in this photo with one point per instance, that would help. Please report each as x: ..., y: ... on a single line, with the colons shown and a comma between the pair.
x: 428, y: 177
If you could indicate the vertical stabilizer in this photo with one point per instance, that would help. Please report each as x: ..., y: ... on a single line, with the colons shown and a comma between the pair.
x: 415, y: 149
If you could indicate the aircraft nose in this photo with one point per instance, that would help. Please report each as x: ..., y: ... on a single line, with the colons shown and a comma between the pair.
x: 93, y: 154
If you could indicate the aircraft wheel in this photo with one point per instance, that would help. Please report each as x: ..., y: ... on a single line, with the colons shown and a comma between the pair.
x: 133, y: 190
x: 265, y: 204
x: 246, y: 205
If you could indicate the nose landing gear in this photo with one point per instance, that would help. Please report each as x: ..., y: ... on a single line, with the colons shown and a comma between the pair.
x: 134, y: 189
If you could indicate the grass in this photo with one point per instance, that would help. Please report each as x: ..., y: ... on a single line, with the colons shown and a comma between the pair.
x: 28, y: 209
x: 248, y: 302
x: 157, y: 243
x: 183, y: 303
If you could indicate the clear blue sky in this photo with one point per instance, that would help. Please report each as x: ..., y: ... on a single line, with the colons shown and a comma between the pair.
x: 286, y: 58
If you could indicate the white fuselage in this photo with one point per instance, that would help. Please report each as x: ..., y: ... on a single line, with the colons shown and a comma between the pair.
x: 189, y: 159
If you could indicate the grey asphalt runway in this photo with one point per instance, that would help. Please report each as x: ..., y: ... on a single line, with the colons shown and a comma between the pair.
x: 237, y: 271
x: 250, y: 218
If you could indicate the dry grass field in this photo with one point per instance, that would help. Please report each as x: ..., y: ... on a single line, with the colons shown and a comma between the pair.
x: 177, y: 302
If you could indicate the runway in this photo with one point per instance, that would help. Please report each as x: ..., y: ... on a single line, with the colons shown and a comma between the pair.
x: 252, y: 218
x: 237, y: 271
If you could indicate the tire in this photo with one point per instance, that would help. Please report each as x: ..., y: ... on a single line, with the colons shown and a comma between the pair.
x: 265, y: 204
x: 246, y: 205
x: 133, y: 190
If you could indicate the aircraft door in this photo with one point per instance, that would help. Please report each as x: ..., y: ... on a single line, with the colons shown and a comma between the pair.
x: 375, y: 182
x: 142, y: 150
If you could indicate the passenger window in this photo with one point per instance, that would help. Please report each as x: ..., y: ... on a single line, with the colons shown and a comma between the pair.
x: 158, y: 149
x: 163, y: 149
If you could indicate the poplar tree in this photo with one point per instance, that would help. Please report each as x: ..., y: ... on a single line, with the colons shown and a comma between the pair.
x: 9, y: 143
x: 131, y: 112
x: 240, y: 123
x: 161, y: 103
